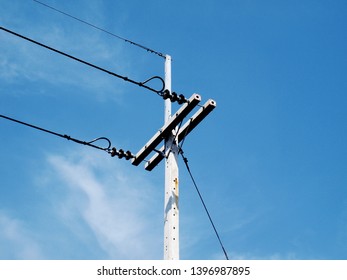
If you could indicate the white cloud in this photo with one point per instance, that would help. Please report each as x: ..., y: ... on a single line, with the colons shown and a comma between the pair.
x: 16, y: 241
x: 24, y: 61
x: 29, y: 63
x: 113, y: 202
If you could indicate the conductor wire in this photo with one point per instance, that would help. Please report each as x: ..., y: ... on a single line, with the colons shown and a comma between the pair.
x: 141, y: 84
x: 90, y: 143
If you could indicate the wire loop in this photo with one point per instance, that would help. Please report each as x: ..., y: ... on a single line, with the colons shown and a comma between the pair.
x: 160, y: 92
x: 102, y: 138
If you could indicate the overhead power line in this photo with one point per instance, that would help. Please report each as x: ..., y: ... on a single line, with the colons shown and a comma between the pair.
x: 103, y: 30
x: 160, y: 91
x: 112, y: 151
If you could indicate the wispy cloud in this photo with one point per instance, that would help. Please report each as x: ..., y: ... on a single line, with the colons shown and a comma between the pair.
x: 114, y: 203
x: 16, y: 240
x: 24, y: 61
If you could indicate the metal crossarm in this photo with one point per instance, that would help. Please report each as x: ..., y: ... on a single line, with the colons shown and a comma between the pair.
x: 184, y: 131
x: 167, y: 129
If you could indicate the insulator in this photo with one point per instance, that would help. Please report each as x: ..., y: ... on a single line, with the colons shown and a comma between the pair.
x: 121, y: 153
x: 128, y: 155
x: 166, y: 94
x: 114, y: 152
x: 174, y: 97
x: 181, y: 99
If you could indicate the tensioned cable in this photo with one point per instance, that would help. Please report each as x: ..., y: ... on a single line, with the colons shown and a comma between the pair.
x: 141, y: 84
x: 103, y: 30
x: 203, y: 203
x: 89, y: 143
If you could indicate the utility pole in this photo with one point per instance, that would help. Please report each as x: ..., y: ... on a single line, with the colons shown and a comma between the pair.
x: 170, y: 151
x: 171, y: 208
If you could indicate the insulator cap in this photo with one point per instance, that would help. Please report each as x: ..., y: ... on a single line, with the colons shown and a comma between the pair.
x: 166, y: 94
x: 181, y: 99
x: 121, y: 153
x: 114, y: 152
x: 128, y: 155
x: 174, y: 97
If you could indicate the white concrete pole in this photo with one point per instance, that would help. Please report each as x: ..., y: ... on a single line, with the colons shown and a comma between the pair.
x: 171, y: 210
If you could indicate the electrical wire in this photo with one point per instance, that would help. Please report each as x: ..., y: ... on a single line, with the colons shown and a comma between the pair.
x: 203, y: 203
x: 126, y: 79
x: 89, y: 143
x: 103, y: 30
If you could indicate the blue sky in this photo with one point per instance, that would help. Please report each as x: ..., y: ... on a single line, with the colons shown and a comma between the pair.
x: 270, y: 161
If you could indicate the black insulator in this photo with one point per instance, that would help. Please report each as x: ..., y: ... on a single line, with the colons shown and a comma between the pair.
x: 114, y: 152
x: 181, y: 99
x: 128, y: 155
x: 174, y: 97
x: 121, y: 153
x: 166, y: 94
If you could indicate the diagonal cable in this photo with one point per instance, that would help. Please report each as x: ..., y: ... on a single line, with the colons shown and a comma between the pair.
x: 203, y: 203
x: 101, y: 29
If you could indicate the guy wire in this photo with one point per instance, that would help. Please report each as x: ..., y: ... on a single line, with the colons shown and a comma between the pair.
x: 204, y: 205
